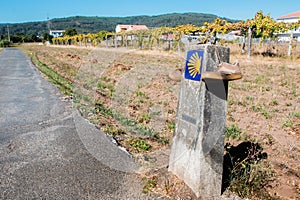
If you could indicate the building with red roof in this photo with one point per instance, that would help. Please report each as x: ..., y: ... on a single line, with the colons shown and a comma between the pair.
x: 290, y: 18
x: 123, y: 27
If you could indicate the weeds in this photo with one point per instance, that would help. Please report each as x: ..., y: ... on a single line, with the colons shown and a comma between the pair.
x: 171, y: 126
x: 287, y: 124
x: 105, y: 112
x: 230, y: 102
x: 111, y: 130
x: 150, y: 184
x: 246, y: 170
x: 256, y: 108
x: 140, y: 93
x: 130, y: 125
x: 64, y: 85
x: 233, y: 132
x: 138, y: 144
x: 288, y: 104
x: 262, y: 110
x: 270, y: 139
x: 259, y: 79
x: 274, y: 103
x: 230, y: 118
x: 106, y: 88
x: 249, y: 98
x: 266, y: 114
x: 134, y: 128
x: 145, y: 118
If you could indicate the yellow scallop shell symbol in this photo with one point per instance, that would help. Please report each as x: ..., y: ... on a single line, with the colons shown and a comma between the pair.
x: 194, y: 65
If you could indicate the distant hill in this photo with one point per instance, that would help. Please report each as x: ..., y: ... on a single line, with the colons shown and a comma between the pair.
x: 96, y: 24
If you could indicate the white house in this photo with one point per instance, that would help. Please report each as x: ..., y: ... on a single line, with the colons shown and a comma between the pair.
x: 56, y: 33
x: 123, y: 27
x: 290, y: 18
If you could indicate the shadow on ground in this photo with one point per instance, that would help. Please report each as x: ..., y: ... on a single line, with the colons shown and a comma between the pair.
x: 239, y: 161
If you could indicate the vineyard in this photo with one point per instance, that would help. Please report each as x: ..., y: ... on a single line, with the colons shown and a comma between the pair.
x: 261, y: 27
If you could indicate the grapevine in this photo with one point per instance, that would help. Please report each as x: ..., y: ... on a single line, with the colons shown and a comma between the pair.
x: 262, y: 26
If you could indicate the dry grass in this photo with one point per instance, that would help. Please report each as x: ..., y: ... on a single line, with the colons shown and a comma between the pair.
x: 129, y: 91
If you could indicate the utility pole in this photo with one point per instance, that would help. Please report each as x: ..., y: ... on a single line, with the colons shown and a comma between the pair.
x: 8, y: 36
x: 48, y: 23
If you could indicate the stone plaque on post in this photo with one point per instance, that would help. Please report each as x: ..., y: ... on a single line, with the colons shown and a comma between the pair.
x: 198, y: 144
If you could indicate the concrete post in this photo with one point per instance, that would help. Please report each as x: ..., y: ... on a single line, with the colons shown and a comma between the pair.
x: 249, y: 42
x: 290, y: 44
x: 198, y: 144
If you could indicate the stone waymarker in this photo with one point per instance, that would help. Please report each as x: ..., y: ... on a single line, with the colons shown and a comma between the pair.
x: 198, y: 144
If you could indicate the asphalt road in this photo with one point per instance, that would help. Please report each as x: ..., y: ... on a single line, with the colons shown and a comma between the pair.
x: 47, y: 151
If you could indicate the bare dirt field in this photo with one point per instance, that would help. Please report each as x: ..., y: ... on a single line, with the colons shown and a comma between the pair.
x: 132, y: 96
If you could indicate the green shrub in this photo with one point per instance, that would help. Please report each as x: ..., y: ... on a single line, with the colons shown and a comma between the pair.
x: 5, y: 43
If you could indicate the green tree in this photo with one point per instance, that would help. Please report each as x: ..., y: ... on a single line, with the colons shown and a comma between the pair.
x: 46, y: 36
x: 70, y: 32
x: 31, y: 38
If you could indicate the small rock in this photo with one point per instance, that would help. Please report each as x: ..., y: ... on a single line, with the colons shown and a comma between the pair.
x: 175, y: 75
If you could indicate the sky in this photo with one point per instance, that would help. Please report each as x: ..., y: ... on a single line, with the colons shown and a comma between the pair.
x: 18, y: 11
